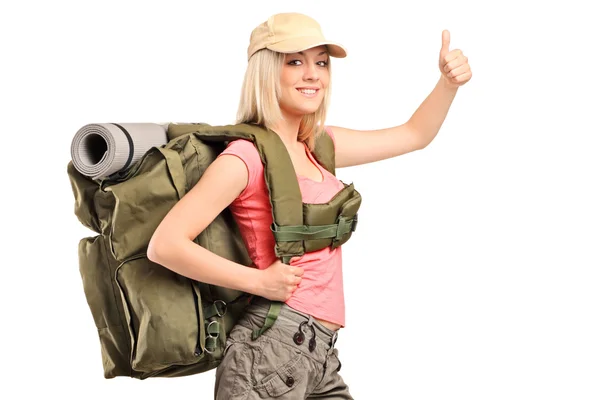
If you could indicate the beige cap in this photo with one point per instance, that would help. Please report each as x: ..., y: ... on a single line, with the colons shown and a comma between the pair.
x: 290, y: 33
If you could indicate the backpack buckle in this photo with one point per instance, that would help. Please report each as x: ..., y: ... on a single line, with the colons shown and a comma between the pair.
x: 212, y: 334
x: 354, y: 222
x: 345, y: 226
x: 221, y: 307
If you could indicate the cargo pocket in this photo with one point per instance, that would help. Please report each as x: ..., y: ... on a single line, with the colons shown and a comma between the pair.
x: 96, y: 268
x: 286, y: 378
x: 163, y: 311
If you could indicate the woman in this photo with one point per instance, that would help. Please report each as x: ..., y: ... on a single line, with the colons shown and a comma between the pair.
x: 286, y: 89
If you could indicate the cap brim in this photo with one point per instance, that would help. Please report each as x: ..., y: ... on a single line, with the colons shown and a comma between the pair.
x: 303, y: 43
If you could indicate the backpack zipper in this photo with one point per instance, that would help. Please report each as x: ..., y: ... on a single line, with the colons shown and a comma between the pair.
x: 198, y: 350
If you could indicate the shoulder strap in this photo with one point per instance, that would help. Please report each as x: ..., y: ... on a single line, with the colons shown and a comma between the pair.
x: 280, y: 177
x: 324, y: 151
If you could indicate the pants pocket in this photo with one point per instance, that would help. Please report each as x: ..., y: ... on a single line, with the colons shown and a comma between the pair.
x: 282, y: 370
x: 234, y: 373
x: 286, y: 378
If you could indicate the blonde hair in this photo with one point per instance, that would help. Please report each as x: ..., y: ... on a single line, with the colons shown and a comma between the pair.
x: 261, y: 91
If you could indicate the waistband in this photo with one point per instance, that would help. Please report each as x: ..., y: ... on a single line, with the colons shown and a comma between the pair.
x: 323, y: 333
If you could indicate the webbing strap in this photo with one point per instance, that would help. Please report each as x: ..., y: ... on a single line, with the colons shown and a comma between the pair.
x: 272, y: 315
x: 218, y: 308
x: 213, y: 310
x: 175, y: 169
x: 286, y: 259
x: 211, y: 344
x: 312, y: 232
x: 212, y: 335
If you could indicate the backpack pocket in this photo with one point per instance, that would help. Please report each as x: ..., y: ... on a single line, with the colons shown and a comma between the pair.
x: 97, y: 269
x: 164, y: 315
x: 341, y: 210
x: 140, y: 202
x: 348, y: 215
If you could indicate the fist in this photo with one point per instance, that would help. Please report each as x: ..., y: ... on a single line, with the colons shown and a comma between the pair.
x: 279, y: 281
x: 454, y: 65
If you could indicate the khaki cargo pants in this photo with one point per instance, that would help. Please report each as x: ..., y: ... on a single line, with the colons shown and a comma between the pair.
x: 274, y: 365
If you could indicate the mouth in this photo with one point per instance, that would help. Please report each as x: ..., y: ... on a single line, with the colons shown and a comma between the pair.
x: 308, y: 92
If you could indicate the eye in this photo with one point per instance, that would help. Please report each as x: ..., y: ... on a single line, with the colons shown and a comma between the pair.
x: 295, y: 62
x: 322, y: 63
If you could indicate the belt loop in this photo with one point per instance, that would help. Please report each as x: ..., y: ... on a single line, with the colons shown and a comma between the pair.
x: 310, y: 320
x: 332, y: 343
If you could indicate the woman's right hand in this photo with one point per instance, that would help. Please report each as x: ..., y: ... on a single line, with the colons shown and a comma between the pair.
x: 279, y: 281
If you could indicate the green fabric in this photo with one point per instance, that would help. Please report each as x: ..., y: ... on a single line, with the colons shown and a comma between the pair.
x: 216, y: 309
x: 151, y: 321
x: 212, y: 336
x: 324, y: 152
x: 344, y: 204
x: 272, y: 315
x: 306, y: 232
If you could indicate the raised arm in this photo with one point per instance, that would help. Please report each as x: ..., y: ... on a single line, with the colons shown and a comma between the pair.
x: 355, y: 147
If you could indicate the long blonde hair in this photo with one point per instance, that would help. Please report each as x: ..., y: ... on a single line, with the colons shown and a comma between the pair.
x: 261, y: 91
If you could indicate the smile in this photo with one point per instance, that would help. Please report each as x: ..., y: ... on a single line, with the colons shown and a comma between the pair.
x: 308, y: 92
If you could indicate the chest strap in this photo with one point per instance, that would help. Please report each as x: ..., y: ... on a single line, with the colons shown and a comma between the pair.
x: 313, y: 232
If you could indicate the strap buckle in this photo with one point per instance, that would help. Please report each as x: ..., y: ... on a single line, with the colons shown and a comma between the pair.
x: 221, y: 307
x: 354, y: 222
x: 212, y: 334
x: 345, y: 226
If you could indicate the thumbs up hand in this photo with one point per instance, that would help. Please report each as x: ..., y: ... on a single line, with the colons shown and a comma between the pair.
x: 454, y: 64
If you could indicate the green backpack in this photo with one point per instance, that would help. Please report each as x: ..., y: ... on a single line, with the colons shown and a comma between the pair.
x: 151, y: 321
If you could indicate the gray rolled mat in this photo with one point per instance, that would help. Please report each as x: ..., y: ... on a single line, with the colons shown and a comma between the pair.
x: 100, y: 150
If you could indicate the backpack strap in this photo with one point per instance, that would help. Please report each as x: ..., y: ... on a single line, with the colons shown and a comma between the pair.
x: 272, y: 315
x: 324, y: 152
x: 280, y: 176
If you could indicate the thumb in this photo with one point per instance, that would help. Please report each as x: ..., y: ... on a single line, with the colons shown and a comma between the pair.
x: 445, y: 43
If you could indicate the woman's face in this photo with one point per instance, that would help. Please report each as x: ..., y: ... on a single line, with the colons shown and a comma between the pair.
x: 304, y: 78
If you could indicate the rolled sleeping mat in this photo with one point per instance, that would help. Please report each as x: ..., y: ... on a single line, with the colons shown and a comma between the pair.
x: 101, y: 150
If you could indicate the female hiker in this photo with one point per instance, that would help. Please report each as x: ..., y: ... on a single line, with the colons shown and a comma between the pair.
x: 286, y: 89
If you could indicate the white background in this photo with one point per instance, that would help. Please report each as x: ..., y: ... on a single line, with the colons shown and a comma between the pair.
x: 474, y: 272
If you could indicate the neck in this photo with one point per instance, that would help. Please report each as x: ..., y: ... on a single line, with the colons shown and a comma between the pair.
x: 288, y: 129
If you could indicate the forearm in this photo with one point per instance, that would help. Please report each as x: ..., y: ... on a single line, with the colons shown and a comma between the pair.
x: 195, y: 262
x: 429, y: 117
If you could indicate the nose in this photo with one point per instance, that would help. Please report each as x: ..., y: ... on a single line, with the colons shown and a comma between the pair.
x: 310, y: 72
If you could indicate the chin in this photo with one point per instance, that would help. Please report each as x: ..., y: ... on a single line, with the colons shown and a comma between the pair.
x: 309, y: 108
x: 309, y: 111
x: 302, y: 111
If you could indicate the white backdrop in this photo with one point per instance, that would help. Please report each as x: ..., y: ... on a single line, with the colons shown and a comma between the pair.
x: 474, y: 271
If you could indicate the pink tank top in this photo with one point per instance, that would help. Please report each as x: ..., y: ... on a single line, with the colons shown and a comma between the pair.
x: 321, y: 292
